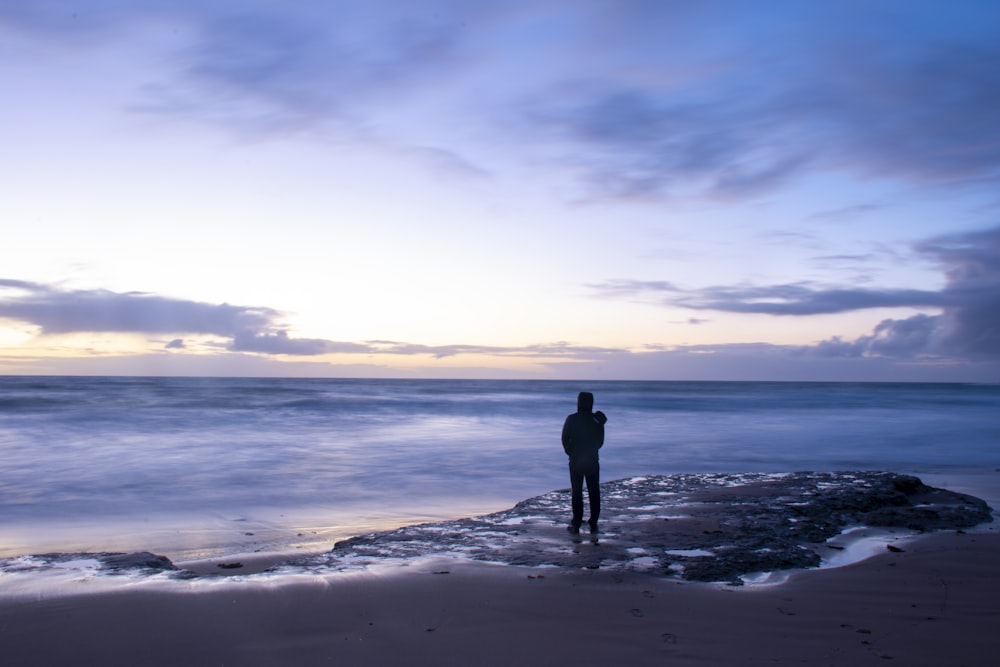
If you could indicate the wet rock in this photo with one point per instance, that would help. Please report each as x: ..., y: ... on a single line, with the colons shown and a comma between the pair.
x: 140, y: 560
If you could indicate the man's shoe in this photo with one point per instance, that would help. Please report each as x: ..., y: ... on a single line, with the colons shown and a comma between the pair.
x: 573, y: 530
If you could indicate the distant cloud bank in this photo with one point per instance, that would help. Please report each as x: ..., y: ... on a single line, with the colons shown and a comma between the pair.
x: 967, y: 327
x: 248, y: 328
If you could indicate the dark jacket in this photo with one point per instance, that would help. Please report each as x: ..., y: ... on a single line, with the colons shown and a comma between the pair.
x: 583, y: 435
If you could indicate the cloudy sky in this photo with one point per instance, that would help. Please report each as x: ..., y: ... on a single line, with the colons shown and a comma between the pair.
x: 649, y: 189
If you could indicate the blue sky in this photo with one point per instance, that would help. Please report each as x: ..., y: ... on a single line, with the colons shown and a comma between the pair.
x: 548, y: 189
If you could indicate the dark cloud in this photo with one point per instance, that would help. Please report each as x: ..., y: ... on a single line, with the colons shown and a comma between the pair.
x: 969, y: 323
x: 58, y: 311
x: 175, y: 344
x: 911, y: 337
x: 280, y: 343
x: 792, y: 299
x: 799, y: 299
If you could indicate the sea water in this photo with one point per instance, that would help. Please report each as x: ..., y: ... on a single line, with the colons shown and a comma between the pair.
x: 199, y: 467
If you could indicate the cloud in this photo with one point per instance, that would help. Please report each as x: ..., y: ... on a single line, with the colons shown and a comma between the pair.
x: 971, y: 321
x: 968, y: 325
x: 744, y: 110
x: 250, y: 329
x: 789, y: 299
x: 635, y: 143
x: 280, y: 343
x: 261, y: 69
x: 847, y: 213
x: 310, y: 66
x: 319, y: 71
x: 911, y: 337
x: 58, y: 311
x: 445, y: 163
x: 550, y: 350
x: 638, y: 98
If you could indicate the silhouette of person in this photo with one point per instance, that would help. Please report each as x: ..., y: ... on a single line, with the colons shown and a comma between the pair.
x: 582, y: 436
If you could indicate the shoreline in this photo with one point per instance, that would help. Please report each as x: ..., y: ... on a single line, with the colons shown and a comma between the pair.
x: 748, y: 528
x: 241, y: 539
x: 937, y: 601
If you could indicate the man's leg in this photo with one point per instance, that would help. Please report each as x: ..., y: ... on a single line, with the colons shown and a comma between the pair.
x: 576, y: 484
x: 594, y: 493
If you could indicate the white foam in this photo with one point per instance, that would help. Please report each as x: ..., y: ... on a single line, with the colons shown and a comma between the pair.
x: 762, y: 579
x: 858, y: 543
x: 854, y: 545
x: 644, y: 563
x: 691, y: 553
x: 79, y: 564
x: 514, y: 521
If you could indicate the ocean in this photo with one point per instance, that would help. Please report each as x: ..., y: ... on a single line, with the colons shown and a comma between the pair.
x: 210, y: 467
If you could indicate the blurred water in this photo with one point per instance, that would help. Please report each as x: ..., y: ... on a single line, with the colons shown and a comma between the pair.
x: 113, y: 462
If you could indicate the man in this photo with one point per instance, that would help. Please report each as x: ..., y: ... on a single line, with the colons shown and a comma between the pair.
x: 582, y: 436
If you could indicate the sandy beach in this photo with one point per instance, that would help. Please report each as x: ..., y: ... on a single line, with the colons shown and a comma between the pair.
x: 936, y: 602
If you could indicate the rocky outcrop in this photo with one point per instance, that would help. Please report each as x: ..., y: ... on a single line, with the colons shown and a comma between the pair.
x: 139, y: 562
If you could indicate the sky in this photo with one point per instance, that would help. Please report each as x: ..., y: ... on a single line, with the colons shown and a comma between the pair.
x: 553, y: 189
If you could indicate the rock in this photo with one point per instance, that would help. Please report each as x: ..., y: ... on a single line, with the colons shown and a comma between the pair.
x: 141, y: 560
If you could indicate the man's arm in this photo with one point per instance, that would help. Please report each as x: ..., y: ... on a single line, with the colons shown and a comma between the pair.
x: 566, y: 439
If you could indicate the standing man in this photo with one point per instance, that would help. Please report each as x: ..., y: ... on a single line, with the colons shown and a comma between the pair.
x: 582, y: 436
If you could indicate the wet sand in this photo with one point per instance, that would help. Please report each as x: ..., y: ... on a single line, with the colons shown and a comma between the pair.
x: 936, y: 602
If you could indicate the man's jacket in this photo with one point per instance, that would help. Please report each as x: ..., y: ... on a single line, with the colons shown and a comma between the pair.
x: 583, y: 435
